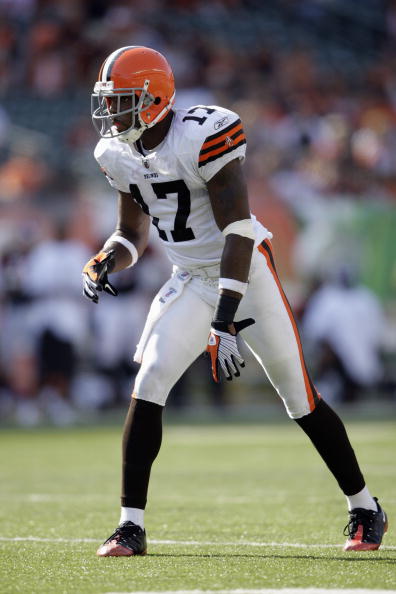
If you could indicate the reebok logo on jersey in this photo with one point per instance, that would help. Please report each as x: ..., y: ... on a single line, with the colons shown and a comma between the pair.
x: 212, y: 340
x: 229, y: 141
x: 220, y: 123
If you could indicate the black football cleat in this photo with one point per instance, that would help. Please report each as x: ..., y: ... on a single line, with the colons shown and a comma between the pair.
x: 365, y: 529
x: 129, y: 539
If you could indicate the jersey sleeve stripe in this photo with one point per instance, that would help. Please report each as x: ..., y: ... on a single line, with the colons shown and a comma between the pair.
x: 219, y: 153
x: 216, y: 138
x: 221, y: 145
x: 224, y: 131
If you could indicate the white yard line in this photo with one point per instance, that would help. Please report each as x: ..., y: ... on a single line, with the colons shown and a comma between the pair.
x: 268, y: 495
x: 195, y: 543
x: 44, y: 498
x: 266, y: 591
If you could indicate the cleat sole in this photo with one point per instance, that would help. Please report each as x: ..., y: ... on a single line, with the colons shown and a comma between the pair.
x: 116, y: 550
x: 362, y: 546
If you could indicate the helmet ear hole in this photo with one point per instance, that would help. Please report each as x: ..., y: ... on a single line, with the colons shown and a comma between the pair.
x: 157, y: 100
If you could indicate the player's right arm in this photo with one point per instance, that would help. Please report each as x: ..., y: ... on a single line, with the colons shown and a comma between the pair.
x: 121, y: 250
x: 133, y: 225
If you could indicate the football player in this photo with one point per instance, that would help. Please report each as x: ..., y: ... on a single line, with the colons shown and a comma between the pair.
x: 181, y: 170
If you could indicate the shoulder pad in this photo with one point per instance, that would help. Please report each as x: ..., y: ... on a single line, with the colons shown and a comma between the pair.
x: 107, y: 149
x: 223, y: 136
x: 206, y: 125
x: 207, y: 119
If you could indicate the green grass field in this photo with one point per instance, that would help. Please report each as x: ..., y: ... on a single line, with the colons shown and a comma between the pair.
x: 231, y: 507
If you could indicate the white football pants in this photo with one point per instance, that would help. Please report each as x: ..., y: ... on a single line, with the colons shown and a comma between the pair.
x: 181, y: 334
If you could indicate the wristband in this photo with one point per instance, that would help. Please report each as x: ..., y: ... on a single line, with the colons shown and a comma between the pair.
x: 233, y: 285
x: 225, y: 309
x: 127, y: 244
x: 243, y: 227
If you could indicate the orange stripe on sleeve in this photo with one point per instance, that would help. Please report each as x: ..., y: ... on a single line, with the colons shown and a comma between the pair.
x: 208, y: 143
x: 222, y: 148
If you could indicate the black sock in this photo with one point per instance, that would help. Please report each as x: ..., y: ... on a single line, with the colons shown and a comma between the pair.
x: 327, y: 432
x: 140, y: 445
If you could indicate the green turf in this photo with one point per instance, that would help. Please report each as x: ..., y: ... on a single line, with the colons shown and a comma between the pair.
x: 217, y: 485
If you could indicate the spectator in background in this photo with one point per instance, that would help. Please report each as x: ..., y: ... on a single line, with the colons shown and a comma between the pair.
x: 57, y: 318
x: 17, y: 349
x: 344, y: 325
x: 50, y: 67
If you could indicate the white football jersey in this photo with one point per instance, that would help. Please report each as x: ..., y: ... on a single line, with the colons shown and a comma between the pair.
x: 169, y: 182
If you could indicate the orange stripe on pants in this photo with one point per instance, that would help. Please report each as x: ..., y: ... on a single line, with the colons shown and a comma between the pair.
x: 312, y: 394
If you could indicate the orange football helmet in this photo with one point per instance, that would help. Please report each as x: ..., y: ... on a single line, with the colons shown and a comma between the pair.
x: 141, y: 78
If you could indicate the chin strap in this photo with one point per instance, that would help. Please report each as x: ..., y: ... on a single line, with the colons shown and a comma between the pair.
x: 132, y: 135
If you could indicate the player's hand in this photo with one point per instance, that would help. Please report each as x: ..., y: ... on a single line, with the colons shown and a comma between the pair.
x: 95, y: 276
x: 223, y: 348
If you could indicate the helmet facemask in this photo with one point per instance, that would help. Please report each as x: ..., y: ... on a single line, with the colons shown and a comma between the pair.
x: 103, y: 119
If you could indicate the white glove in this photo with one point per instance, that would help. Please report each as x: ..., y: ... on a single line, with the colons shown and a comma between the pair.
x: 223, y: 348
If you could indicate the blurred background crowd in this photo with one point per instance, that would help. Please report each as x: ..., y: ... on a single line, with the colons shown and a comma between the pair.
x: 314, y: 82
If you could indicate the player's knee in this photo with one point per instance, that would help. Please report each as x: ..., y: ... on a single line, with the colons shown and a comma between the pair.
x: 297, y: 412
x: 300, y: 403
x: 152, y: 383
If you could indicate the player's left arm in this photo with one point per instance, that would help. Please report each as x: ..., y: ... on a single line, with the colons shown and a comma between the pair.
x: 229, y: 199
